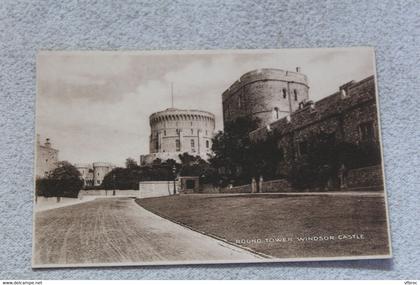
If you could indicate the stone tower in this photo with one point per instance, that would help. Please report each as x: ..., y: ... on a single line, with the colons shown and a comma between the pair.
x: 100, y: 169
x: 266, y: 94
x: 46, y: 158
x: 175, y: 131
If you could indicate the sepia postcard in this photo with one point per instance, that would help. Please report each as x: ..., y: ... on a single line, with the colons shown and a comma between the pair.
x: 198, y: 157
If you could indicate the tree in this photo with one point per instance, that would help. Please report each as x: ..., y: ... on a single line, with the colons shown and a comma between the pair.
x: 196, y: 166
x: 122, y: 178
x: 130, y: 163
x: 318, y: 164
x: 265, y: 156
x: 64, y: 181
x: 130, y: 176
x: 325, y: 156
x: 235, y: 157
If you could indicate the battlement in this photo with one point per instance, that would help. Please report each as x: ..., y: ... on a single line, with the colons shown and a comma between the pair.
x: 264, y: 75
x: 102, y: 164
x: 179, y: 114
x: 356, y: 93
x: 83, y: 165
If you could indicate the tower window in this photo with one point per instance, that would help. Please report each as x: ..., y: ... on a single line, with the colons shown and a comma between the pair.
x: 164, y: 132
x: 302, y: 148
x: 239, y: 101
x: 192, y: 131
x: 284, y: 93
x: 366, y: 132
x: 207, y: 144
x: 296, y: 94
x: 193, y: 145
x: 276, y: 113
x: 177, y: 145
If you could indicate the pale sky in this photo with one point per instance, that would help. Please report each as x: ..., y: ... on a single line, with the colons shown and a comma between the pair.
x: 95, y: 106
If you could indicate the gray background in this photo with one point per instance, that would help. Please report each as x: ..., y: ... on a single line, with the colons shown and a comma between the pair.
x: 392, y: 27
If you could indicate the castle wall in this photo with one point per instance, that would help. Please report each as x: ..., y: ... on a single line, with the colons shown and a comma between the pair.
x: 364, y: 113
x: 346, y: 116
x: 364, y: 177
x: 266, y: 94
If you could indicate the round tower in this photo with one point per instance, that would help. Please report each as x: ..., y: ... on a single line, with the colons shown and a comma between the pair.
x: 265, y: 94
x: 175, y: 131
x: 100, y: 169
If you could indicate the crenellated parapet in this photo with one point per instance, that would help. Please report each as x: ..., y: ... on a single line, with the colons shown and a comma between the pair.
x: 265, y: 94
x: 341, y: 113
x: 264, y: 75
x: 173, y: 114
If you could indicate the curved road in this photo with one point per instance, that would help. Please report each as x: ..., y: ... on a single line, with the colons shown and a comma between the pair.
x: 117, y: 231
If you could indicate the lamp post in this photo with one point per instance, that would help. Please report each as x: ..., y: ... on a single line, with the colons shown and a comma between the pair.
x: 174, y: 174
x: 113, y: 184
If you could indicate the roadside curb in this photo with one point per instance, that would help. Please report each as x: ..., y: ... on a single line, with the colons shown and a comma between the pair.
x: 259, y: 254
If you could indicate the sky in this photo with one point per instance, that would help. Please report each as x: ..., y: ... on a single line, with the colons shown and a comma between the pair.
x: 95, y: 106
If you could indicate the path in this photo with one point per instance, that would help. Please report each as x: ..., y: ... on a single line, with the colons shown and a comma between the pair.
x: 118, y: 231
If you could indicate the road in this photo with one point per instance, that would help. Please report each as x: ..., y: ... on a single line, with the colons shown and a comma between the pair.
x: 118, y: 231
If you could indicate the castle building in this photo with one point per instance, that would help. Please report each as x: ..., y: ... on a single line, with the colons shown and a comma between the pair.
x: 265, y: 94
x: 176, y: 131
x: 349, y: 116
x: 93, y: 174
x: 100, y: 169
x: 86, y: 173
x: 46, y: 158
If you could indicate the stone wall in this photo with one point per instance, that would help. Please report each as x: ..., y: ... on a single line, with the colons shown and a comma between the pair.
x: 273, y: 186
x: 267, y: 94
x: 208, y: 189
x: 149, y: 189
x: 335, y: 113
x: 237, y: 189
x: 276, y: 186
x: 107, y: 193
x: 365, y: 177
x: 339, y: 115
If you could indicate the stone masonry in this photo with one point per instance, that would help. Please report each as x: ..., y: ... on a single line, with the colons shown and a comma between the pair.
x: 176, y: 131
x: 266, y: 94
